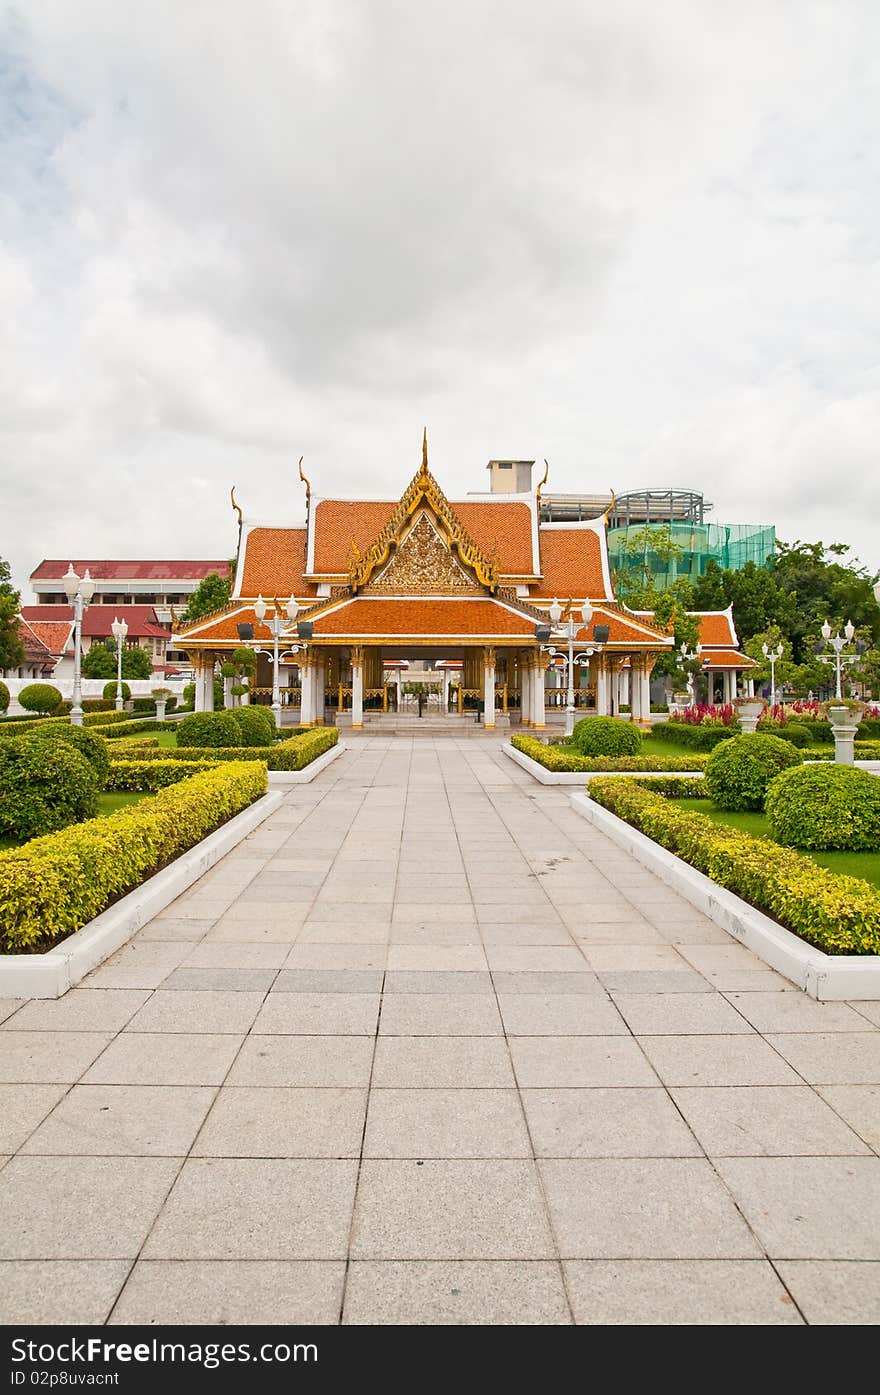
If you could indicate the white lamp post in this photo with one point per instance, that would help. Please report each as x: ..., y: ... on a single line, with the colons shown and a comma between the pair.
x: 838, y: 643
x: 686, y: 656
x: 278, y: 631
x: 79, y: 591
x: 119, y: 629
x: 568, y: 631
x: 774, y: 655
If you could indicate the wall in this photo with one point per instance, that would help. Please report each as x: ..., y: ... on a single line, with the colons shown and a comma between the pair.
x: 91, y: 688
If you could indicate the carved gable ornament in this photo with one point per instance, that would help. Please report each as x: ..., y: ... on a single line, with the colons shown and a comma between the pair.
x: 422, y: 565
x: 423, y: 496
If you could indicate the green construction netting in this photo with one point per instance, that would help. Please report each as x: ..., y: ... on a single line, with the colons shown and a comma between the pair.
x: 731, y: 545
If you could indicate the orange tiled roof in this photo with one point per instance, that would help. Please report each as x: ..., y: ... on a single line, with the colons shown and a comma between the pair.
x: 274, y: 561
x: 716, y: 627
x: 53, y: 633
x: 372, y: 616
x: 571, y: 561
x: 726, y: 658
x: 505, y: 528
x: 622, y: 630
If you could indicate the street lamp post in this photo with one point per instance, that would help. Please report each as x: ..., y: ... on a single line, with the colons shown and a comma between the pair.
x: 568, y: 631
x: 838, y: 643
x: 278, y: 631
x: 686, y: 656
x: 119, y: 629
x: 79, y: 591
x: 774, y: 655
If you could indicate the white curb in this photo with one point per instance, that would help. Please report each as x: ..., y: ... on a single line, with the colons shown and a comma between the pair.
x: 824, y: 976
x: 583, y: 777
x: 308, y: 772
x: 50, y: 975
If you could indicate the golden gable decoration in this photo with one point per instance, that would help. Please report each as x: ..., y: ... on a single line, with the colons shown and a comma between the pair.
x: 422, y: 565
x: 422, y: 491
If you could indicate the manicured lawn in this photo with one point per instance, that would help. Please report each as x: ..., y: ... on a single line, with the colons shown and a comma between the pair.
x: 107, y: 804
x: 166, y: 738
x: 651, y: 746
x: 848, y: 864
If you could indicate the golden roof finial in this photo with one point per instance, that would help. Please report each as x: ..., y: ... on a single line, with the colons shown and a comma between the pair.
x: 305, y: 481
x: 543, y: 482
x: 235, y: 505
x: 607, y: 514
x: 425, y: 451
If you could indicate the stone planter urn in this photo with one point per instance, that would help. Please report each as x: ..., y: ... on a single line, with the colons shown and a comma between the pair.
x: 844, y: 717
x: 160, y: 697
x: 749, y: 711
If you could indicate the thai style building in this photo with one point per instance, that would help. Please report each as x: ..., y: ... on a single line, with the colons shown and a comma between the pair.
x: 465, y: 585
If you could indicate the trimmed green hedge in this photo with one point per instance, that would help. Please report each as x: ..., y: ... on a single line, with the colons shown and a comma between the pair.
x: 606, y: 736
x: 17, y: 726
x: 701, y: 738
x: 44, y: 785
x: 739, y: 771
x: 89, y: 744
x: 56, y: 884
x: 825, y: 807
x: 841, y: 915
x: 209, y: 729
x: 293, y: 754
x: 147, y: 776
x: 567, y: 762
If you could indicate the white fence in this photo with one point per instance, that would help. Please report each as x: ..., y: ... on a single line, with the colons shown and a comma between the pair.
x: 91, y: 688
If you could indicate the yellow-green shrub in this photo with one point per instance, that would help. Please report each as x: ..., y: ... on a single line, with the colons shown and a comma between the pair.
x: 841, y: 915
x: 566, y: 761
x: 293, y: 754
x: 56, y: 884
x: 147, y: 776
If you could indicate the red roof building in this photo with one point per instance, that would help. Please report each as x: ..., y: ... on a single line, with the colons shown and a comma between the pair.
x: 53, y: 625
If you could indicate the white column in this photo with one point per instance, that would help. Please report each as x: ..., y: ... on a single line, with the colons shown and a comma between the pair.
x: 626, y: 686
x: 750, y: 687
x: 635, y: 690
x: 399, y: 689
x: 228, y: 700
x: 357, y: 688
x: 489, y: 689
x: 209, y: 682
x: 525, y: 690
x: 601, y: 689
x: 446, y: 677
x: 539, y: 716
x: 729, y: 685
x: 320, y: 677
x: 199, y: 680
x: 305, y: 678
x: 645, y: 687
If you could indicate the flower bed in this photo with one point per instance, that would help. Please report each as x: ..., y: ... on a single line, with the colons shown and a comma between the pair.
x: 838, y: 914
x: 293, y: 754
x: 54, y: 885
x: 565, y: 762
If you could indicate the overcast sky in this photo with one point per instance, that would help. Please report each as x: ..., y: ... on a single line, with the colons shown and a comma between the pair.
x: 639, y: 238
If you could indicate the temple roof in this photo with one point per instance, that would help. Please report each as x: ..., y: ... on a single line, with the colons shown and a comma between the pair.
x: 725, y: 658
x: 717, y: 627
x: 574, y: 562
x: 274, y: 563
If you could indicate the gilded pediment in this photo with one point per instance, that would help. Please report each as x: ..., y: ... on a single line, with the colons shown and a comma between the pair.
x: 423, y: 565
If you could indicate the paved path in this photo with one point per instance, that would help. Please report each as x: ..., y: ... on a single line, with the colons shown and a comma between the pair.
x: 427, y: 1047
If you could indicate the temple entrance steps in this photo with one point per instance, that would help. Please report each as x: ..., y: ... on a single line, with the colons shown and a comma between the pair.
x: 430, y: 723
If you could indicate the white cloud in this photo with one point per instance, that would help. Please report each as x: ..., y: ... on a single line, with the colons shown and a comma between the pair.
x: 638, y: 239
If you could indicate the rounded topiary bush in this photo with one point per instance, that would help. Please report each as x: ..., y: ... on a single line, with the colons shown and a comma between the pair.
x: 606, y: 736
x: 209, y: 729
x: 4, y: 696
x: 739, y: 771
x: 798, y: 736
x: 825, y: 807
x: 255, y: 725
x: 40, y: 697
x: 44, y: 785
x: 109, y: 690
x: 85, y: 740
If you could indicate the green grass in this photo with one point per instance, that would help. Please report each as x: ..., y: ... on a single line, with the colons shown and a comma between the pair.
x: 107, y: 804
x: 847, y: 864
x: 166, y: 738
x: 651, y: 746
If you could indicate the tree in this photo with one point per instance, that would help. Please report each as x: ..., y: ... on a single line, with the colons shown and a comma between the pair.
x: 710, y: 591
x: 822, y: 585
x: 100, y: 662
x: 635, y: 581
x: 212, y: 593
x: 785, y: 667
x: 11, y: 647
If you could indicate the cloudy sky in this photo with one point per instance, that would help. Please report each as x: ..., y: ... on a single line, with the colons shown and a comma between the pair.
x: 640, y: 239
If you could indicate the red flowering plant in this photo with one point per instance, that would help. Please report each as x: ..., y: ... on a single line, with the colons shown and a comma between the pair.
x: 706, y: 714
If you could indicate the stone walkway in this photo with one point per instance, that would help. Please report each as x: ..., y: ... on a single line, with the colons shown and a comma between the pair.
x: 428, y: 1048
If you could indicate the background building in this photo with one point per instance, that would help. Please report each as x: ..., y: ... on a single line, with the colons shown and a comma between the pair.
x: 144, y: 582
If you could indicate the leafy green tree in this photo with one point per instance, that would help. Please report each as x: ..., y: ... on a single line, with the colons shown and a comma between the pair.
x: 11, y: 648
x: 823, y: 584
x: 212, y: 593
x: 785, y: 667
x: 710, y: 591
x: 100, y: 662
x: 646, y: 551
